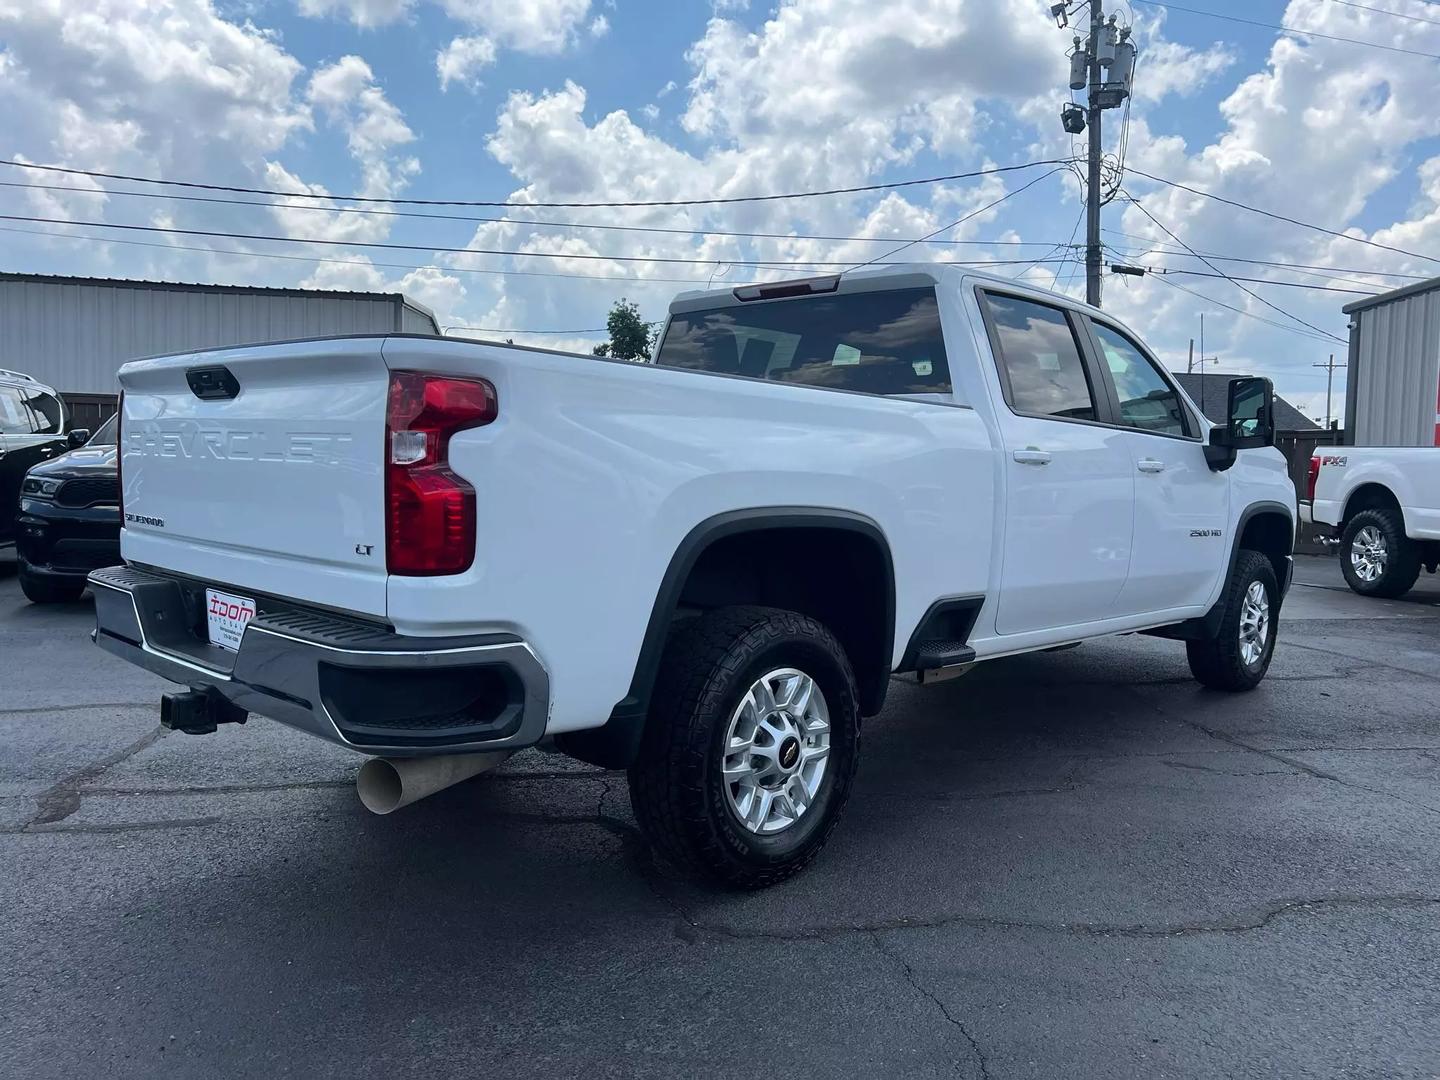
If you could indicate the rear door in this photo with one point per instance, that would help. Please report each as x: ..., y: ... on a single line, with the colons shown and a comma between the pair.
x: 260, y: 469
x: 1069, y: 499
x: 1181, y: 505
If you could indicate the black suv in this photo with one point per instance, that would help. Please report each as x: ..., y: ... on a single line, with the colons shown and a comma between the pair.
x: 69, y: 522
x: 33, y: 420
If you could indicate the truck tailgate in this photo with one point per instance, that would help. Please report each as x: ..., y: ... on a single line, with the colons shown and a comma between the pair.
x: 260, y: 468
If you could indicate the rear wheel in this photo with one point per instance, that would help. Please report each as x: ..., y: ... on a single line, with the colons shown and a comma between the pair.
x: 1376, y: 556
x: 750, y: 748
x: 39, y: 590
x: 1238, y: 656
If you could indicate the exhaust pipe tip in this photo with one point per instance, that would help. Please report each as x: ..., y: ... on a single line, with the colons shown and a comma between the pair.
x: 379, y: 786
x: 386, y: 784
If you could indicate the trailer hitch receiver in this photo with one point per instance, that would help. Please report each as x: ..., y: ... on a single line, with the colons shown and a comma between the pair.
x: 199, y: 712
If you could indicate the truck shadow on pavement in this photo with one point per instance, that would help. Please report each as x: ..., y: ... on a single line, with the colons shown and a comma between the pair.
x: 1043, y: 810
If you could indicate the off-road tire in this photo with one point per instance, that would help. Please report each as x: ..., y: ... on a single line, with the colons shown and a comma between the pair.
x: 39, y: 591
x: 1217, y: 662
x: 676, y: 788
x: 1402, y: 565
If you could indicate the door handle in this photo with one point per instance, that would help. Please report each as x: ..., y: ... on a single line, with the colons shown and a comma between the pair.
x: 1150, y: 465
x: 1032, y: 456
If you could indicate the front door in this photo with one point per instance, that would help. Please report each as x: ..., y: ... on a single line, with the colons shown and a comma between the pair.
x: 1069, y: 492
x: 1181, y: 506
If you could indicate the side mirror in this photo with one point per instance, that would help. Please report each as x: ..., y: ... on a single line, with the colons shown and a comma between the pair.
x: 1250, y: 422
x: 78, y: 437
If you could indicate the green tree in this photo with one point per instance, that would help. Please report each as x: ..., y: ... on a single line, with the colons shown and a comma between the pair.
x: 630, y: 337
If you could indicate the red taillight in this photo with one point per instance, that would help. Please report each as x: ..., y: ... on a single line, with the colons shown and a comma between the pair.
x: 429, y: 511
x: 1314, y: 475
x: 120, y: 455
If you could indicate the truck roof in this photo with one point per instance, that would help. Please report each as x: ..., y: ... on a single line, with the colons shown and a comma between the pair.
x: 860, y: 279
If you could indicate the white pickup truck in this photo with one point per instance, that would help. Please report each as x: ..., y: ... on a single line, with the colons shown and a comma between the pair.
x: 1383, y: 504
x: 704, y: 569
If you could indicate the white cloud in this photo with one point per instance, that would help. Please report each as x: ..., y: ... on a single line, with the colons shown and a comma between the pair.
x: 109, y: 81
x: 363, y: 13
x: 347, y: 93
x: 651, y: 111
x: 462, y: 60
x: 531, y: 26
x: 536, y: 26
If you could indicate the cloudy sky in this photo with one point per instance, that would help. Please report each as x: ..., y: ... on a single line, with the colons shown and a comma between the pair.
x: 556, y: 101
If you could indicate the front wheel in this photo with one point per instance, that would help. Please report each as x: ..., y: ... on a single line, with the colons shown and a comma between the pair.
x: 41, y: 591
x: 750, y: 747
x: 1238, y: 656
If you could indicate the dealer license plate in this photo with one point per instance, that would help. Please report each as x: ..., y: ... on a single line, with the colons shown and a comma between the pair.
x: 226, y: 616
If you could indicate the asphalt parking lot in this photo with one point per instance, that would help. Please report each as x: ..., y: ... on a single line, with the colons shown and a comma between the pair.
x: 1076, y: 864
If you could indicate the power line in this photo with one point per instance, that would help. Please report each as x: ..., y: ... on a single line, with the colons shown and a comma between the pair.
x: 1387, y: 11
x: 1241, y: 311
x: 1159, y: 248
x: 1163, y: 270
x: 885, y: 255
x: 1282, y: 217
x: 481, y: 219
x: 388, y: 246
x: 1249, y: 292
x: 1287, y: 29
x: 893, y: 185
x: 360, y: 262
x: 799, y: 268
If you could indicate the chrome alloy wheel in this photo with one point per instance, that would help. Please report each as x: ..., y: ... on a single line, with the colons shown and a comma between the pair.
x: 1254, y: 623
x: 1368, y: 554
x: 776, y: 749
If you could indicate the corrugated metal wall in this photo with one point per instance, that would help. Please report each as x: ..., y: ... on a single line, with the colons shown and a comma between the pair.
x: 76, y: 335
x: 1395, y: 360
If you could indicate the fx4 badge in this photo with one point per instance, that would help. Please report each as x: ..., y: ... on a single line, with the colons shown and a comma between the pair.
x: 1196, y: 533
x: 1339, y: 462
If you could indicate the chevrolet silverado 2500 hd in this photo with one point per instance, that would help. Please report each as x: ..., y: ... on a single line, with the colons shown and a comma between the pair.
x: 704, y: 569
x: 1383, y: 505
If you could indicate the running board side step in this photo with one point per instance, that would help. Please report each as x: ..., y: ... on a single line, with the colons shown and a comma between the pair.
x: 933, y: 655
x: 937, y: 660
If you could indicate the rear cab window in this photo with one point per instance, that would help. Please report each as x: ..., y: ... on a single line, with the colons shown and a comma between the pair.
x: 1041, y: 365
x: 887, y: 343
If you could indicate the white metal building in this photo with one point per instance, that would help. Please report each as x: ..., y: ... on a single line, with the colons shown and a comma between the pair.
x: 1392, y: 395
x: 74, y: 333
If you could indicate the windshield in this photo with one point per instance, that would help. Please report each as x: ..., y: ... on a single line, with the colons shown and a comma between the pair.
x: 105, y: 436
x: 875, y: 342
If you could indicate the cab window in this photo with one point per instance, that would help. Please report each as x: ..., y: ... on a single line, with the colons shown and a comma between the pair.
x: 1147, y: 400
x: 1040, y: 359
x: 887, y: 343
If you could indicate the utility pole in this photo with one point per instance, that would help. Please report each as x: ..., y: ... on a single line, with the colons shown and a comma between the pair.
x: 1093, y: 263
x: 1104, y: 64
x: 1329, y: 367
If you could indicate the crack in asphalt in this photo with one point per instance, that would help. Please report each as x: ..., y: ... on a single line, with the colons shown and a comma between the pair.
x: 61, y: 828
x: 1294, y: 763
x: 935, y: 999
x: 62, y: 798
x: 1367, y: 664
x: 77, y: 708
x: 1243, y: 922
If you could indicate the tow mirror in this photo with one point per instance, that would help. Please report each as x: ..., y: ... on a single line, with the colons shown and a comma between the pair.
x: 1250, y: 422
x: 78, y: 437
